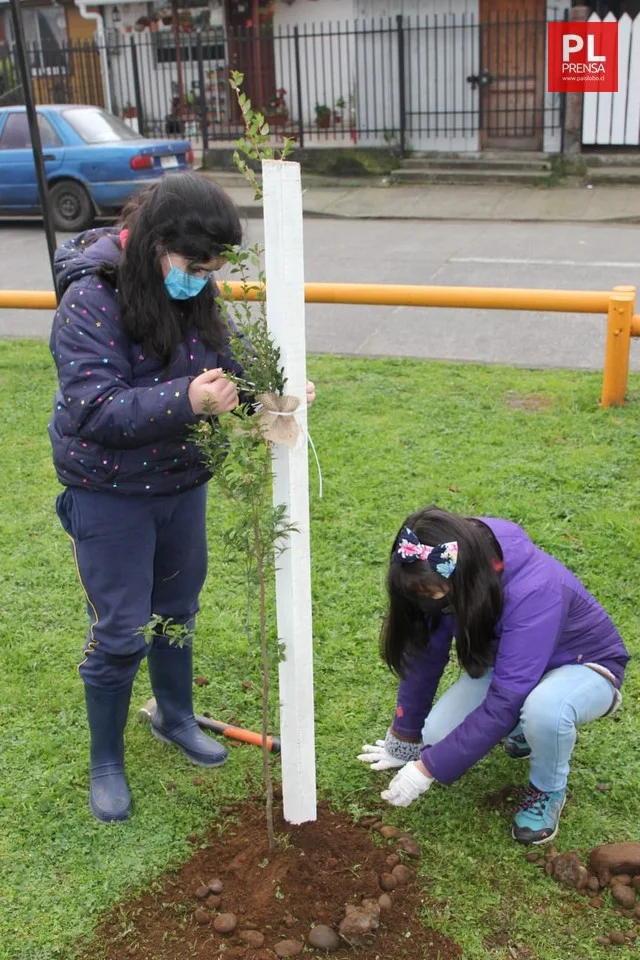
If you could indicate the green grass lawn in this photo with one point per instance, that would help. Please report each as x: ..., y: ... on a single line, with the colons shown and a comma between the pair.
x: 391, y: 436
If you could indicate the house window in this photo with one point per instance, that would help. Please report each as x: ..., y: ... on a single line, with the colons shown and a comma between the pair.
x: 45, y: 32
x: 213, y: 46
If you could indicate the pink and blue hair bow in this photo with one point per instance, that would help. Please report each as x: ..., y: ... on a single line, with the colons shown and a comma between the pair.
x: 408, y: 549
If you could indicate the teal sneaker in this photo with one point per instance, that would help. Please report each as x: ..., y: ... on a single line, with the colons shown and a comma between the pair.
x: 516, y: 746
x: 537, y: 817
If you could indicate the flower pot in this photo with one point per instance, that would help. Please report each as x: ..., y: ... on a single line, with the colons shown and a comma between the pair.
x: 324, y: 121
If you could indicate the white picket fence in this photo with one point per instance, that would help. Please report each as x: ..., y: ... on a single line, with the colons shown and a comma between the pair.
x: 613, y: 119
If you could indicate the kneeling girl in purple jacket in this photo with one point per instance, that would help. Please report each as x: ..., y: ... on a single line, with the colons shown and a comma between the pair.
x: 539, y: 656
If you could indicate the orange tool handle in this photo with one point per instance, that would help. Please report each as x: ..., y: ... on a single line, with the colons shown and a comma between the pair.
x: 238, y: 733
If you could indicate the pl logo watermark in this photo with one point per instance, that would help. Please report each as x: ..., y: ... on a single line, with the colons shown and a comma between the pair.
x: 582, y: 57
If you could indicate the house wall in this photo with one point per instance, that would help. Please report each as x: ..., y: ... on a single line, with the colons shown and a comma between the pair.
x: 441, y: 48
x: 327, y: 59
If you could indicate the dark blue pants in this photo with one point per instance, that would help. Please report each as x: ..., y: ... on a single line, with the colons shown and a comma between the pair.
x: 135, y: 556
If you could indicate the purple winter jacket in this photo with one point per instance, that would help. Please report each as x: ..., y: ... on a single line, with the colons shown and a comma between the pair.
x: 120, y: 422
x: 548, y: 620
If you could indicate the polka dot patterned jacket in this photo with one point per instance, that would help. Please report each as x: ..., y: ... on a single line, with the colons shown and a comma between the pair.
x: 119, y: 422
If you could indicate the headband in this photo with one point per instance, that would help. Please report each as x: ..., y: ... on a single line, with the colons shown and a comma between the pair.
x: 442, y: 558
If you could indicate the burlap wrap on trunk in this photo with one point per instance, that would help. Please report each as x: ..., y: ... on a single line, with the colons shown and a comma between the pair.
x: 277, y: 420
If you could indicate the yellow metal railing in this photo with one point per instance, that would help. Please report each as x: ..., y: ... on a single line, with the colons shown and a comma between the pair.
x: 617, y: 304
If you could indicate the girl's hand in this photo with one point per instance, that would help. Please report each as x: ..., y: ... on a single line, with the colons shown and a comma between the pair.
x: 211, y: 392
x: 390, y: 752
x: 407, y: 785
x: 311, y: 392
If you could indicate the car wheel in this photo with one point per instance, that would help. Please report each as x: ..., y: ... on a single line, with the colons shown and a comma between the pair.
x: 72, y: 206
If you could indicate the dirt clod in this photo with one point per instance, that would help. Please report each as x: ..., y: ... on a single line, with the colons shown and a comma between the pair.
x: 635, y: 883
x: 617, y: 937
x: 201, y: 893
x: 568, y: 870
x: 359, y: 925
x: 389, y: 832
x: 197, y: 781
x: 392, y: 860
x: 172, y: 786
x: 215, y: 885
x: 616, y: 857
x: 603, y: 941
x: 402, y: 874
x: 532, y: 857
x: 596, y: 902
x: 201, y: 916
x: 213, y: 901
x: 623, y: 878
x: 288, y: 948
x: 202, y: 681
x: 323, y: 938
x: 385, y: 902
x: 410, y: 846
x: 252, y: 938
x: 388, y: 882
x: 623, y: 895
x: 593, y: 884
x: 225, y: 923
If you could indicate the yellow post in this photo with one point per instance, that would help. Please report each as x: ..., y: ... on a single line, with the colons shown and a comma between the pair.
x: 616, y: 357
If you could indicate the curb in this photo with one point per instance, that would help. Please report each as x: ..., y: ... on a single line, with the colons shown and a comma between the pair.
x: 255, y: 213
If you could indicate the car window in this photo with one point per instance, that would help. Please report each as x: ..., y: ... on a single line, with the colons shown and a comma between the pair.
x: 96, y: 126
x: 16, y: 136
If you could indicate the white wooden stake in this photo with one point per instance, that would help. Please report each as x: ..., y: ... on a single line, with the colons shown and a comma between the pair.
x: 284, y: 267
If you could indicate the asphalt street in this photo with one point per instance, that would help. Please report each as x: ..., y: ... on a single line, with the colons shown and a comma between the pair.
x: 580, y: 256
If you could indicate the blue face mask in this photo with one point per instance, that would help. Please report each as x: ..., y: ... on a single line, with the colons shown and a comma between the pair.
x: 183, y: 286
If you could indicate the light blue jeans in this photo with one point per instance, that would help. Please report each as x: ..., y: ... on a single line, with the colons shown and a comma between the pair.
x: 564, y: 698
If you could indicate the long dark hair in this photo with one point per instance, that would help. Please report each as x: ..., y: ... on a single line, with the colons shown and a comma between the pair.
x: 473, y: 592
x: 185, y: 214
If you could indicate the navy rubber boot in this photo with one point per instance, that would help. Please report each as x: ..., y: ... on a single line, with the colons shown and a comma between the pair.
x: 107, y: 712
x: 171, y: 673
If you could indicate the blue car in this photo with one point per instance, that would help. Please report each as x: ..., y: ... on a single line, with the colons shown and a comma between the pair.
x: 94, y: 163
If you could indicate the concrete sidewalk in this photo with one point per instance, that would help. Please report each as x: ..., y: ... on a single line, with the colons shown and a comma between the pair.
x: 381, y: 200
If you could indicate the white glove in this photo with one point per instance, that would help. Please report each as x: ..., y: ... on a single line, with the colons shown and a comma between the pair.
x: 378, y: 757
x: 389, y: 753
x: 406, y: 786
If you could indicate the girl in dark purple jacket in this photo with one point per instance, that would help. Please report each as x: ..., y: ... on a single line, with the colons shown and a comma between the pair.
x: 141, y: 352
x: 539, y: 657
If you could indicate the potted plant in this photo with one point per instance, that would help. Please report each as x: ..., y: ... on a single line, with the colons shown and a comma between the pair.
x: 323, y: 115
x: 129, y: 112
x: 339, y: 107
x: 276, y: 112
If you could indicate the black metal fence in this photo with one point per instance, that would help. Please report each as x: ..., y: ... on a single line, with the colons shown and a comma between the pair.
x: 432, y: 82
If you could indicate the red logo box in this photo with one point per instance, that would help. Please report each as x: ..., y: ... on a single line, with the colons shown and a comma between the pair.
x: 582, y: 57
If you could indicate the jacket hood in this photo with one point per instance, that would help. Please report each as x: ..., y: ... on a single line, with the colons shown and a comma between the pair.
x: 86, y: 254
